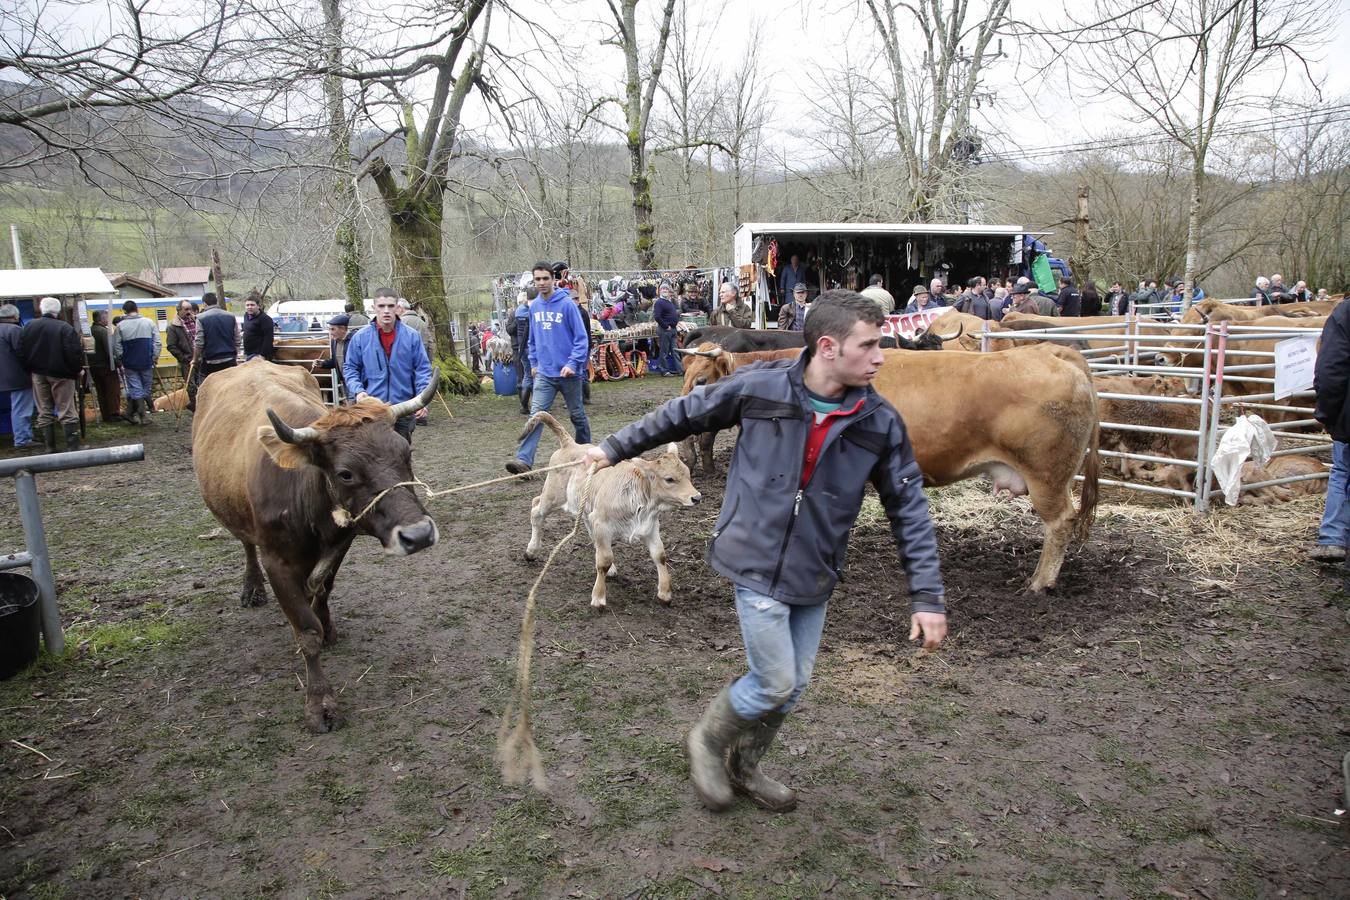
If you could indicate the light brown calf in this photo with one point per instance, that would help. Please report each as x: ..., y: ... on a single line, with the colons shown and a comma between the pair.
x: 1282, y: 467
x: 625, y: 503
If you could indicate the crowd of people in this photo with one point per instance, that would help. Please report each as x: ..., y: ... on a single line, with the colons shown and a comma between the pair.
x: 44, y: 364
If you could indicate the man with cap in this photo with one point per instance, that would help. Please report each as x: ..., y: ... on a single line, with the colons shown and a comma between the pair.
x: 792, y: 314
x: 1022, y: 300
x: 667, y: 318
x: 337, y: 350
x: 920, y: 299
x: 15, y: 382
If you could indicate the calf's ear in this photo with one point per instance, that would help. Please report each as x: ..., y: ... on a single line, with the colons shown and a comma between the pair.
x: 286, y: 456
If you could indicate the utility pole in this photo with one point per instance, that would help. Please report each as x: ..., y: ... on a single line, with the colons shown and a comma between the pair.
x: 219, y: 279
x: 18, y: 250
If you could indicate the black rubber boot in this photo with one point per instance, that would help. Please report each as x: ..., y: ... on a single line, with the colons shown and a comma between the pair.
x: 743, y: 766
x: 706, y: 746
x: 73, y: 437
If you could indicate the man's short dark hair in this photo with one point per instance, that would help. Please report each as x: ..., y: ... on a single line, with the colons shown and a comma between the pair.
x: 542, y: 266
x: 129, y: 306
x: 209, y: 299
x: 386, y: 292
x: 973, y: 282
x: 834, y: 313
x: 349, y: 307
x: 876, y: 280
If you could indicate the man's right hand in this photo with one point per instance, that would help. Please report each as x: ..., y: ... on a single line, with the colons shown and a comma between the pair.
x: 597, y: 457
x: 361, y: 395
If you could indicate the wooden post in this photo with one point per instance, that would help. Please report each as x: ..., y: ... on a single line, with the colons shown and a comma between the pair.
x: 1082, y: 269
x: 218, y: 279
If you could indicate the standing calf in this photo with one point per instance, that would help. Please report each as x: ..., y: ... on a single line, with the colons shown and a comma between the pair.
x: 624, y: 503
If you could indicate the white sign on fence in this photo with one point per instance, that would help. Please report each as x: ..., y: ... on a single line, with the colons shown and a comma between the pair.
x: 1295, y: 360
x: 906, y: 324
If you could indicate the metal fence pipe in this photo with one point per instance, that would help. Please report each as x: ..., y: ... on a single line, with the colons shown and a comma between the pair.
x: 1150, y: 429
x: 1146, y: 488
x: 1312, y: 476
x: 1300, y: 451
x: 75, y: 459
x: 15, y: 561
x: 1293, y: 423
x: 1180, y: 371
x: 1149, y: 398
x: 1144, y: 457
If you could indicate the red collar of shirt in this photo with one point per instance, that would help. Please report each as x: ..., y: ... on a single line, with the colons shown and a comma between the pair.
x: 815, y: 438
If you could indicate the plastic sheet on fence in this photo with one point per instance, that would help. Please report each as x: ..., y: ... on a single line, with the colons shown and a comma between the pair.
x: 1248, y: 437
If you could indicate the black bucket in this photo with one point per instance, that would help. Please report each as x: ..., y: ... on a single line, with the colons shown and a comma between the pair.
x: 19, y: 623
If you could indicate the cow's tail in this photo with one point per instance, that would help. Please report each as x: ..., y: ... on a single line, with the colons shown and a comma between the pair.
x: 544, y: 418
x: 1087, y: 500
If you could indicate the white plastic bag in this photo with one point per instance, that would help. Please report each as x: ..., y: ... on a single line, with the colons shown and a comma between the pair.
x: 1249, y: 436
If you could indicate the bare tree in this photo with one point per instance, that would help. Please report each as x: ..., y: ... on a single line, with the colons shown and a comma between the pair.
x: 640, y: 84
x: 1187, y: 66
x: 742, y: 115
x: 927, y: 97
x: 340, y: 141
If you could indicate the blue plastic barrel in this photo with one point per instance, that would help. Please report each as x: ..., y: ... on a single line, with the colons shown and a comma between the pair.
x: 504, y: 379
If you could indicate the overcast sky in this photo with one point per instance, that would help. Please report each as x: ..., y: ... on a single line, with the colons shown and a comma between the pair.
x: 799, y: 37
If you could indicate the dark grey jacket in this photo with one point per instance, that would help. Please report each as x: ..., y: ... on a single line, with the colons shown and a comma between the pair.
x: 771, y: 536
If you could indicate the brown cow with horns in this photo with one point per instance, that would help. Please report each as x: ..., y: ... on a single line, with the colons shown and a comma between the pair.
x: 278, y: 469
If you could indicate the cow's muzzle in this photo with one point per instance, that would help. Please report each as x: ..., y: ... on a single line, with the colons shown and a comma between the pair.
x: 408, y: 539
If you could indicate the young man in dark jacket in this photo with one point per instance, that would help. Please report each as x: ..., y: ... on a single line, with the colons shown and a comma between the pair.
x: 518, y: 327
x: 813, y: 435
x: 1331, y: 381
x: 258, y: 329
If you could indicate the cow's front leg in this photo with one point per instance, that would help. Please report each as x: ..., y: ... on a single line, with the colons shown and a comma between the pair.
x: 289, y: 584
x: 319, y: 586
x: 604, y: 560
x: 657, y: 550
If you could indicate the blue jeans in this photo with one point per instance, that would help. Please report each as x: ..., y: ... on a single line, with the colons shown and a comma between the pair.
x: 668, y: 358
x: 781, y: 641
x: 1335, y: 528
x: 547, y: 388
x: 138, y: 383
x: 21, y: 415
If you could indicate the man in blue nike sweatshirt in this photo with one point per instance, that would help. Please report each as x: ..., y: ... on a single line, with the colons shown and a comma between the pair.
x: 559, y: 351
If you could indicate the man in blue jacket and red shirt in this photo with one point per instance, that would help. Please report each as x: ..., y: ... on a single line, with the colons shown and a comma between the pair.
x: 388, y: 362
x: 814, y: 433
x: 559, y: 349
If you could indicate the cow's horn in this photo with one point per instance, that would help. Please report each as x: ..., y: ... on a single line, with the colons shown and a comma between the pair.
x: 292, y: 435
x: 960, y: 329
x: 408, y: 407
x: 713, y: 353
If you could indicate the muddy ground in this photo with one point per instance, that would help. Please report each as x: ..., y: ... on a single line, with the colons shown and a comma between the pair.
x: 1160, y: 726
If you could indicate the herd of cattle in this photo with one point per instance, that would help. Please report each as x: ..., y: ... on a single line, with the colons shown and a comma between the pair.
x: 296, y: 481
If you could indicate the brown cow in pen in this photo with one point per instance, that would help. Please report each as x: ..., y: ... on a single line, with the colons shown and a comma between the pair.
x: 279, y: 470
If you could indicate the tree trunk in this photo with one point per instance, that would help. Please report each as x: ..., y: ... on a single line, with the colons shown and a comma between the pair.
x: 415, y: 251
x: 340, y: 139
x: 1193, y: 233
x: 639, y: 179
